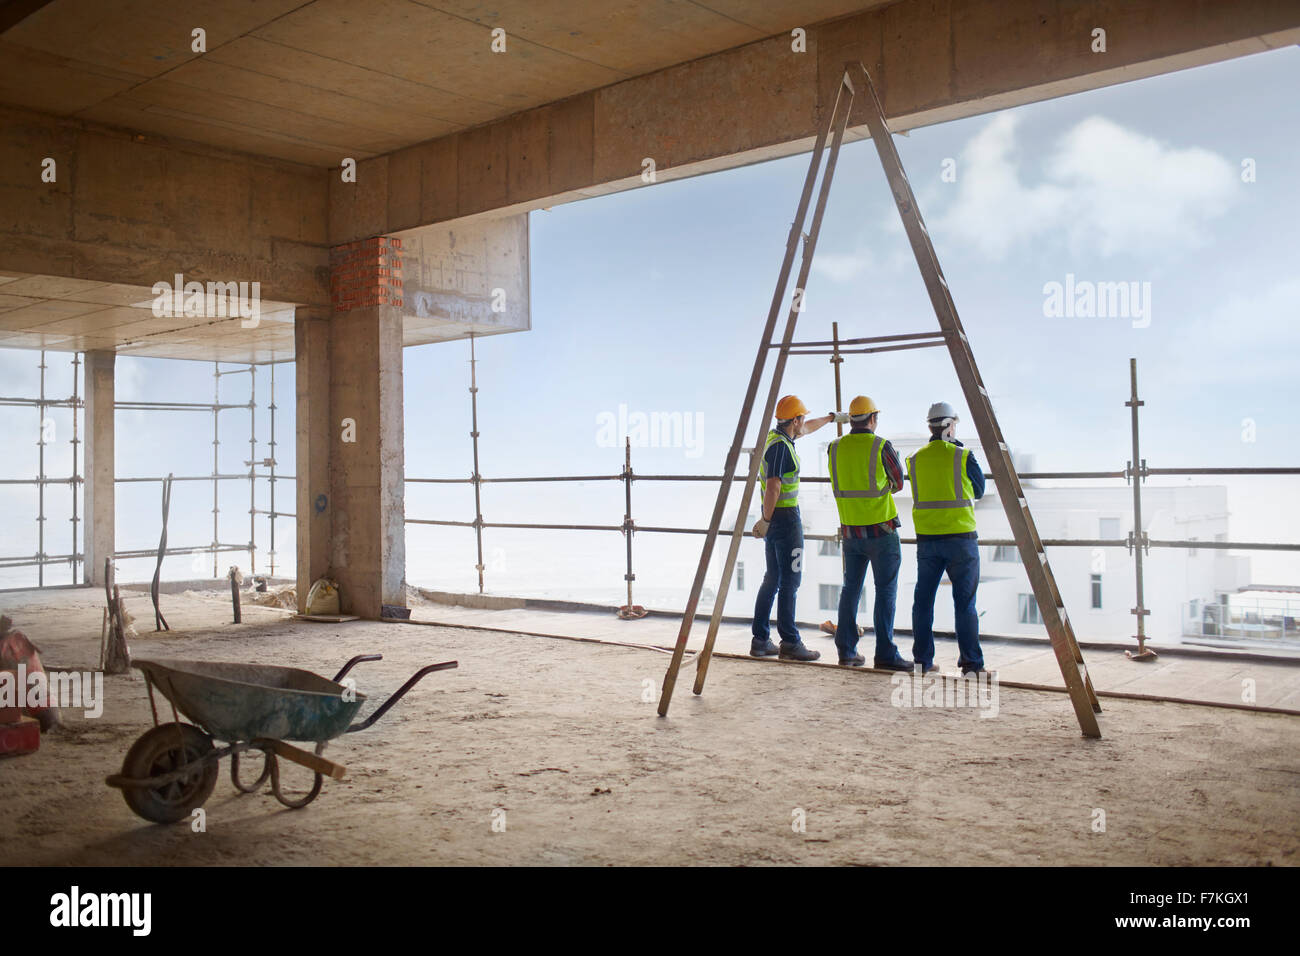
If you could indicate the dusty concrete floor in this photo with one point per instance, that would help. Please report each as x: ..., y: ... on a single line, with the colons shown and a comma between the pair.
x: 540, y: 728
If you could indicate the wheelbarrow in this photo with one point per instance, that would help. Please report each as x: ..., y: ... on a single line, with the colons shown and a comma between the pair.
x: 172, y: 769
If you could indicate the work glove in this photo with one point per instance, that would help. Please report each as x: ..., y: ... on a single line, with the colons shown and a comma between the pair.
x: 841, y: 418
x: 760, y: 527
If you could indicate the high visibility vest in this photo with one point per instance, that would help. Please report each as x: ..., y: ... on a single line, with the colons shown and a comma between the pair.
x: 789, y: 497
x: 943, y: 501
x: 858, y: 479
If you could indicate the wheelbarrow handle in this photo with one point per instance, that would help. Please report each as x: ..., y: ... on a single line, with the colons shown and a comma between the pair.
x: 354, y: 662
x: 401, y: 692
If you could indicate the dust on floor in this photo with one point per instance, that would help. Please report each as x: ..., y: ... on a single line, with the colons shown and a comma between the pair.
x: 546, y: 751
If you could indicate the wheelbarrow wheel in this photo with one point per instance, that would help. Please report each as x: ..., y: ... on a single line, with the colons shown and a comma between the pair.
x: 162, y: 750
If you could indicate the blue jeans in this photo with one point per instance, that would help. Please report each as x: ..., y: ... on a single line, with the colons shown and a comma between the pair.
x: 960, y: 557
x: 784, y: 542
x: 885, y: 557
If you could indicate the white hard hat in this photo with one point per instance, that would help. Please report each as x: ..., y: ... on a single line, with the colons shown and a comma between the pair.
x: 940, y: 411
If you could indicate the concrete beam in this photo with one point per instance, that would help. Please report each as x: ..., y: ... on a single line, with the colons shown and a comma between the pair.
x: 134, y: 209
x: 99, y: 524
x: 932, y: 60
x: 313, y: 432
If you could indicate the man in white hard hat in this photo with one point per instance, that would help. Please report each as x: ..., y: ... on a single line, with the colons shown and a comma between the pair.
x: 780, y: 526
x: 865, y: 472
x: 946, y: 482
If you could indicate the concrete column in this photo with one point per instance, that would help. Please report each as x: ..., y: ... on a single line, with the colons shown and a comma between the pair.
x: 312, y: 370
x: 351, y: 462
x: 98, y: 527
x: 367, y: 466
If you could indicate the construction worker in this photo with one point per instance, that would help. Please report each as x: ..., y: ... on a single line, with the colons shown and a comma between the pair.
x: 780, y: 527
x: 946, y: 482
x: 865, y: 472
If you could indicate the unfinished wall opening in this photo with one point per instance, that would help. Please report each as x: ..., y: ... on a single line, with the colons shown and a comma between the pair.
x: 217, y: 428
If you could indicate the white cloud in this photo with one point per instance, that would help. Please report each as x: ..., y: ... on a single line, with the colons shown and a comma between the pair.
x: 1104, y: 189
x: 1251, y: 338
x: 841, y: 267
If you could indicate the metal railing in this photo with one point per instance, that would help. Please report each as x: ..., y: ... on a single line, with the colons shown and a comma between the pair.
x: 75, y: 558
x: 1138, y: 543
x: 1256, y: 621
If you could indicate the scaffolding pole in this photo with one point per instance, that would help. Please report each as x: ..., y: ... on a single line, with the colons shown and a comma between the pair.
x: 1138, y: 541
x: 271, y: 407
x: 252, y: 469
x: 76, y: 440
x: 43, y: 403
x: 216, y: 442
x: 477, y: 479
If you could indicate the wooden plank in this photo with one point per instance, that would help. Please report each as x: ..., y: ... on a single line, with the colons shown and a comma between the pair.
x: 304, y: 757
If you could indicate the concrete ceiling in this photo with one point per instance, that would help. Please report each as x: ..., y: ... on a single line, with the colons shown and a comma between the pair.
x: 66, y: 315
x: 77, y: 315
x: 314, y: 81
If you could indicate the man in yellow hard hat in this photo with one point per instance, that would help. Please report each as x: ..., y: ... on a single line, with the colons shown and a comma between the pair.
x: 946, y: 482
x: 865, y: 473
x: 780, y: 527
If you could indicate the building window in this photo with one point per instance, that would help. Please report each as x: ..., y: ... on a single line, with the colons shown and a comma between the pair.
x: 828, y: 548
x: 1096, y: 591
x: 830, y: 596
x: 1006, y: 552
x: 740, y: 575
x: 1109, y: 529
x: 1029, y: 610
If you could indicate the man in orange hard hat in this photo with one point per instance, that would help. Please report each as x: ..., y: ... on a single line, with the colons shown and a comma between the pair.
x: 780, y: 527
x: 865, y: 475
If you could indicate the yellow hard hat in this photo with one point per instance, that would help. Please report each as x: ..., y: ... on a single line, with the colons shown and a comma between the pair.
x: 790, y: 407
x: 862, y: 406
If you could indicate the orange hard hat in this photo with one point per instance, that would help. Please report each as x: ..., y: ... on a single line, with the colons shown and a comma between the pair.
x: 862, y: 406
x: 790, y: 407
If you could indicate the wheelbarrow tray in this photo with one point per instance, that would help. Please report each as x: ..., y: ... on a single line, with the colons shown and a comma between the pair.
x: 235, y: 702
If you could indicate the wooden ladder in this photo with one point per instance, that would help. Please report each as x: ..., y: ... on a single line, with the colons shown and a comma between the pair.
x: 1051, y: 606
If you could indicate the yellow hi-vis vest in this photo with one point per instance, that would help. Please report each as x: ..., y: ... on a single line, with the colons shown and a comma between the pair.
x: 943, y: 501
x: 789, y: 497
x: 858, y: 479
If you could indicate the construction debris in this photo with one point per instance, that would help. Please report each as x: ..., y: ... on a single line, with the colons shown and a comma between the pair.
x: 16, y: 652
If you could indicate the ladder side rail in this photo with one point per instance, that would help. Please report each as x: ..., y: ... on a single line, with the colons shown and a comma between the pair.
x: 778, y: 372
x: 733, y: 454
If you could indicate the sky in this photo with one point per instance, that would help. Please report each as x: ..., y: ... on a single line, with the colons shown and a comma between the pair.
x: 654, y: 299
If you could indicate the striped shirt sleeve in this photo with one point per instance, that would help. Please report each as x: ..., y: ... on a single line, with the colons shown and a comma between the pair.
x: 893, y: 468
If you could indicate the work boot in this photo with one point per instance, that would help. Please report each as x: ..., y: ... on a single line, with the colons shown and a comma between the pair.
x: 927, y: 668
x: 797, y: 651
x: 977, y: 672
x: 897, y: 664
x: 766, y: 649
x: 857, y: 660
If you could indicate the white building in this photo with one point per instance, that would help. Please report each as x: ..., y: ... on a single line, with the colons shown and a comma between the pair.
x: 1097, y: 583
